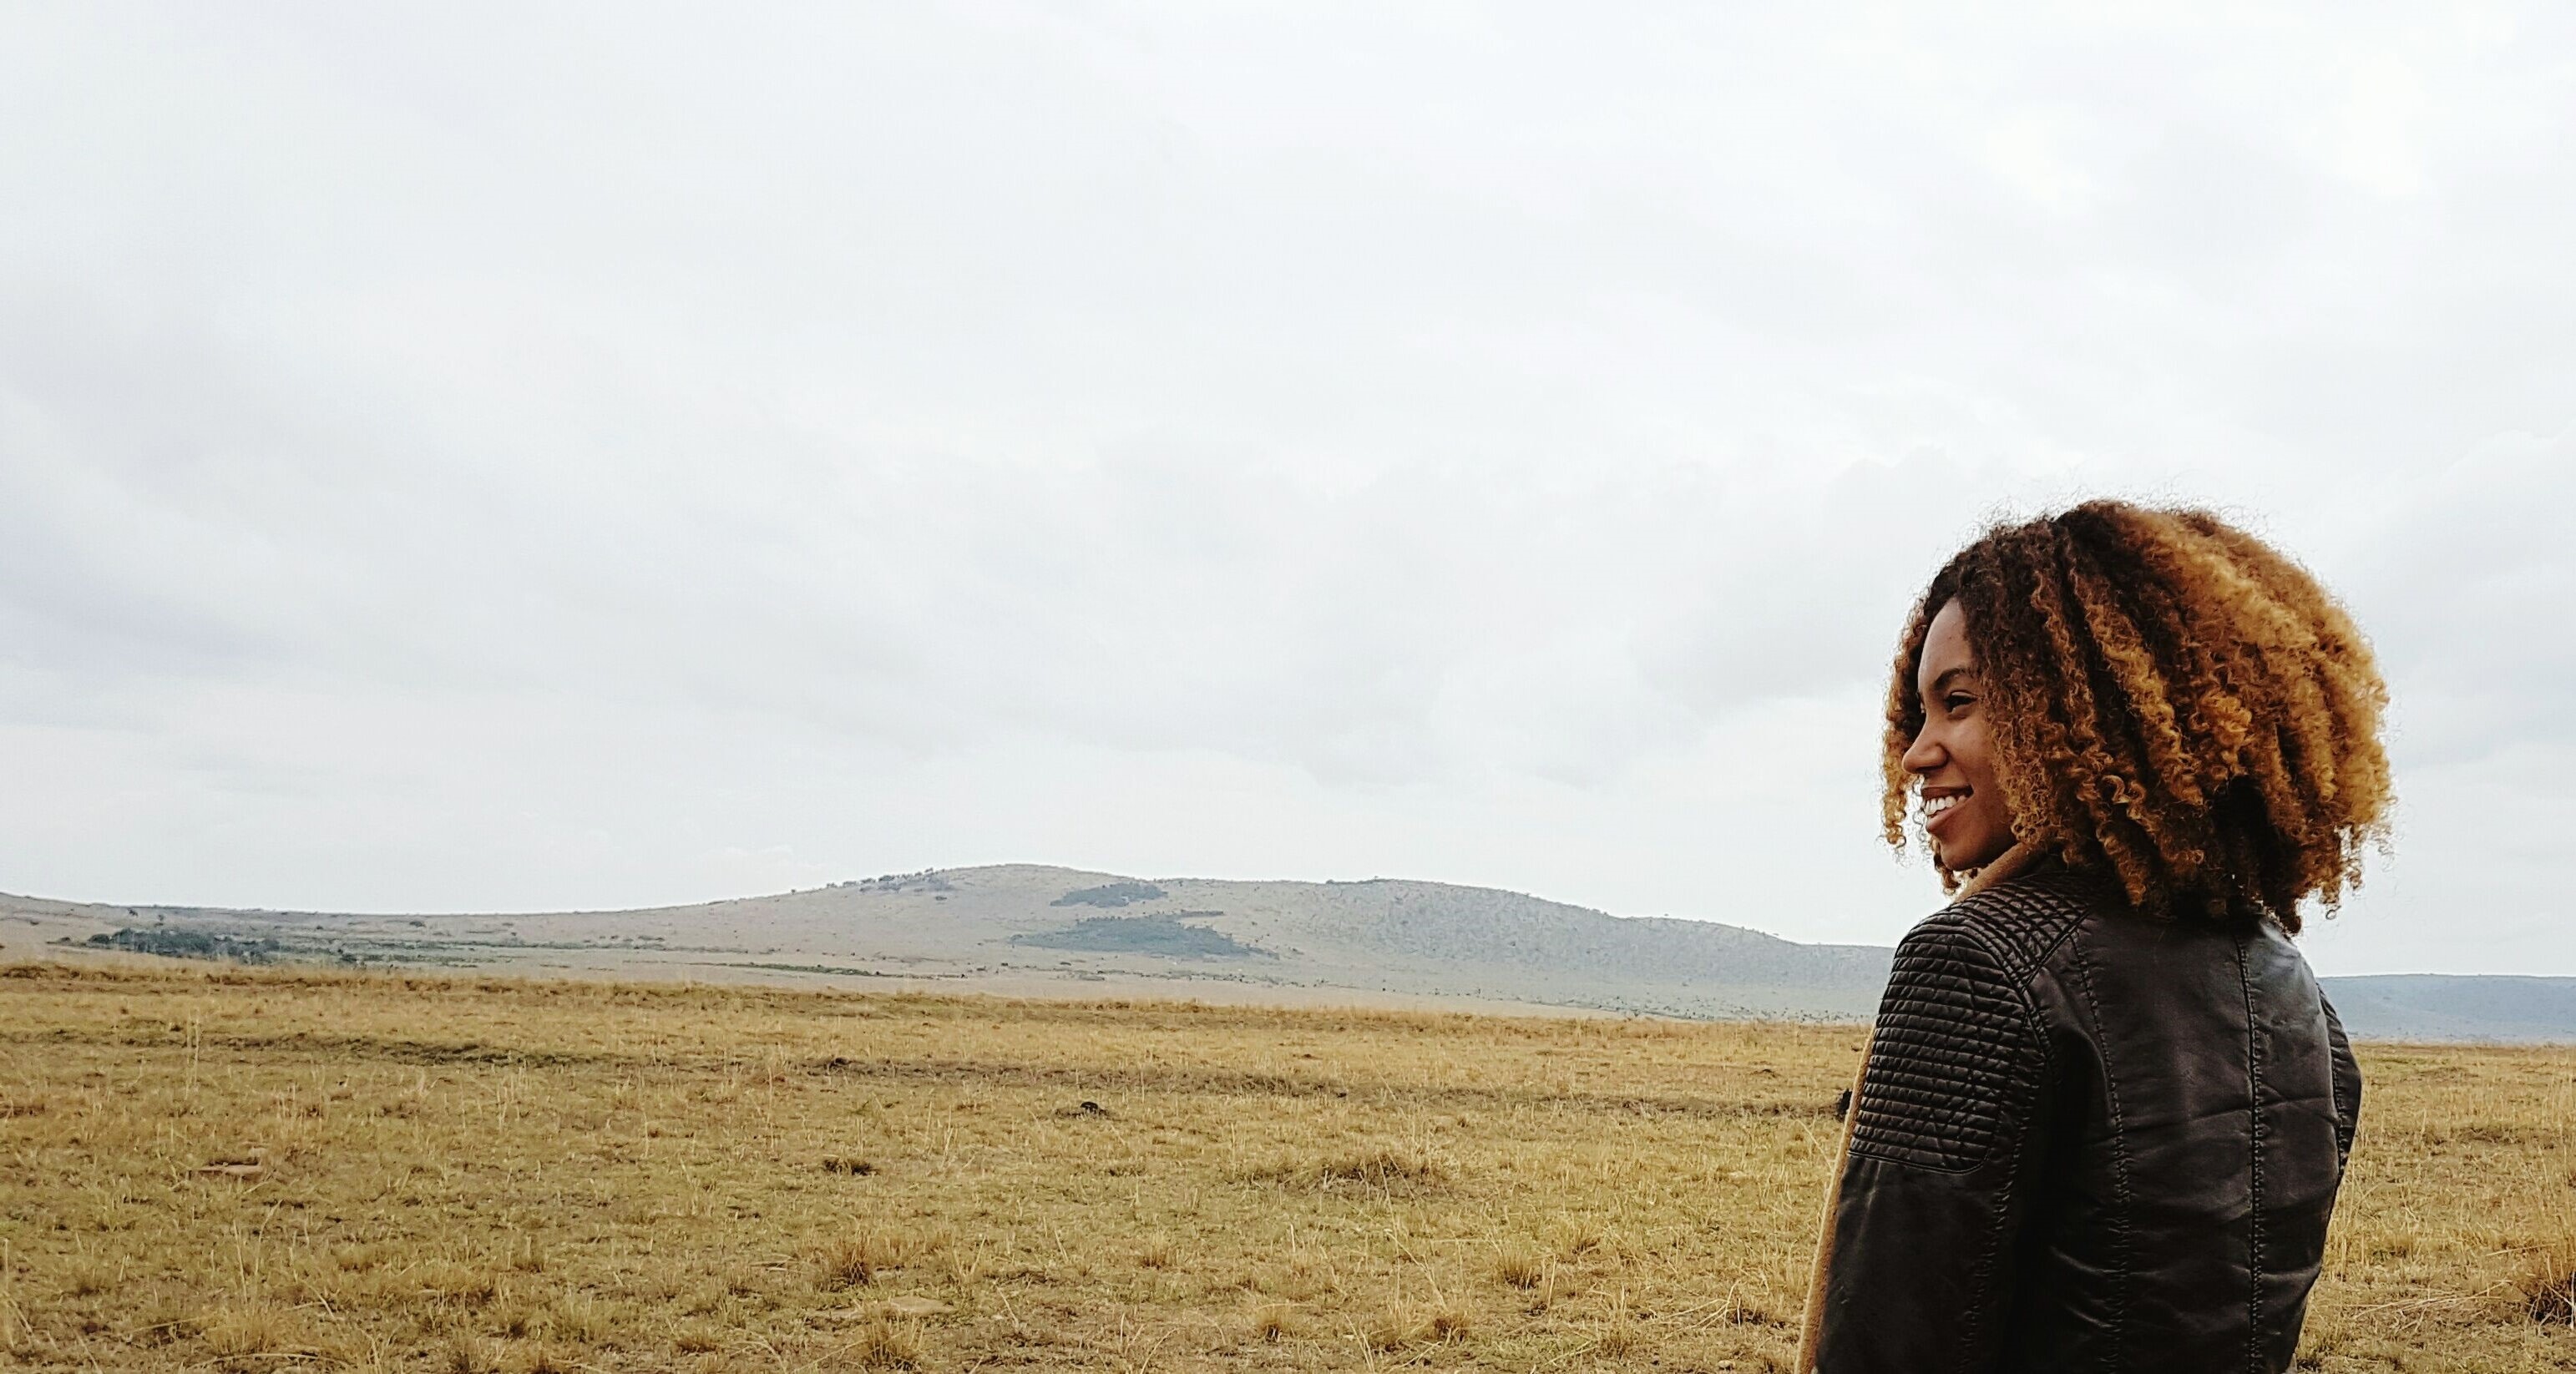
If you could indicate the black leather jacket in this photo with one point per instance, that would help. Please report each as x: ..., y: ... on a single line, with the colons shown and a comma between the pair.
x: 2087, y: 1139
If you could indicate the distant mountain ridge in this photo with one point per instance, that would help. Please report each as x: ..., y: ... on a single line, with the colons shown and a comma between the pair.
x: 1027, y: 927
x: 2452, y: 1006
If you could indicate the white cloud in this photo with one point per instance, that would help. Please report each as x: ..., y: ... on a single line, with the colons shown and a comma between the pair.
x: 490, y: 458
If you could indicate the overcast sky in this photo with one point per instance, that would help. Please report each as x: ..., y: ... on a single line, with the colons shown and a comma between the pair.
x: 486, y: 457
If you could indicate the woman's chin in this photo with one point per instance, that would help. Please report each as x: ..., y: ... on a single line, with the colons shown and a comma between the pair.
x: 1962, y: 858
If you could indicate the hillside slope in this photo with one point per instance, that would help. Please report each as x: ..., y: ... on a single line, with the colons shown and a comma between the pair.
x: 1033, y: 928
x: 1014, y: 924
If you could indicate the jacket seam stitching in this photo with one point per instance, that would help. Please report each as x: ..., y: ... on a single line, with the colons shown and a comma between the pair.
x: 2035, y: 1028
x: 2254, y: 1216
x: 2119, y: 1156
x: 2347, y: 1115
x: 2334, y: 1076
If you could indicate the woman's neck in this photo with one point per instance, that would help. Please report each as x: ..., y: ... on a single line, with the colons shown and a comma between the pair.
x: 2013, y: 862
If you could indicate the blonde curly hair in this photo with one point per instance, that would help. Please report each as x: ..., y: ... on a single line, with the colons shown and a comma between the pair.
x: 2173, y: 702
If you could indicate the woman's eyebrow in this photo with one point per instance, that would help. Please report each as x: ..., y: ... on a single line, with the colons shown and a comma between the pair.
x: 1942, y: 683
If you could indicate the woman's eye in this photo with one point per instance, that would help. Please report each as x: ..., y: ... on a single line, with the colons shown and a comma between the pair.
x: 1958, y: 701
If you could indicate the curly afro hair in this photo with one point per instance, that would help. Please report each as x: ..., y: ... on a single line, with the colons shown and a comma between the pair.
x: 2172, y: 701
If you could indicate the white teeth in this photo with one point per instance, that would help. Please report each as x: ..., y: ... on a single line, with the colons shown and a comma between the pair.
x: 1934, y: 806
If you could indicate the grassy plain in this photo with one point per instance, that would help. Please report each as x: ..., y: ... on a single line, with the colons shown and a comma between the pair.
x: 262, y: 1171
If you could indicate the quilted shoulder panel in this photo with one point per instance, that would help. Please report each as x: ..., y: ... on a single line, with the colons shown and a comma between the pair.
x: 2026, y: 919
x: 1955, y: 1052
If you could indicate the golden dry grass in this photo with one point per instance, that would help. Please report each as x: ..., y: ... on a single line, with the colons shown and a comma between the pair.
x: 273, y: 1171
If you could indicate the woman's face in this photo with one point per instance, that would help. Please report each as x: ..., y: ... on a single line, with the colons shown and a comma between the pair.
x: 1952, y: 757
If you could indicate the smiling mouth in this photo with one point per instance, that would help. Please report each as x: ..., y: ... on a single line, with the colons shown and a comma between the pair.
x: 1936, y: 807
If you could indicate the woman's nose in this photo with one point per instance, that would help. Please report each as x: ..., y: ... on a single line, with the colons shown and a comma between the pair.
x: 1923, y: 755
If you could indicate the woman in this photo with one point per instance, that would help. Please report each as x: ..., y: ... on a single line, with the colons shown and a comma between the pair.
x: 2105, y: 1109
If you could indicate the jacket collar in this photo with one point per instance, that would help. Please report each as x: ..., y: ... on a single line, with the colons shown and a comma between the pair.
x: 2010, y: 864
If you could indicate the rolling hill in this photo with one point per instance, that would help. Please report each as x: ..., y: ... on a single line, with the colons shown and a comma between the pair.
x: 1024, y: 928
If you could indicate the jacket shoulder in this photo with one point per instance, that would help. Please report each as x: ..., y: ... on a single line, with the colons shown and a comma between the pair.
x: 2024, y: 920
x: 1948, y: 1054
x: 1956, y: 1044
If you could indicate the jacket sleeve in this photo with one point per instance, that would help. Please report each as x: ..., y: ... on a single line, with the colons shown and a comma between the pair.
x: 1946, y: 1153
x: 2347, y: 1084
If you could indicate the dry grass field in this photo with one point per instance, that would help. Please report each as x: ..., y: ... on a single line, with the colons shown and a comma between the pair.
x: 265, y: 1171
